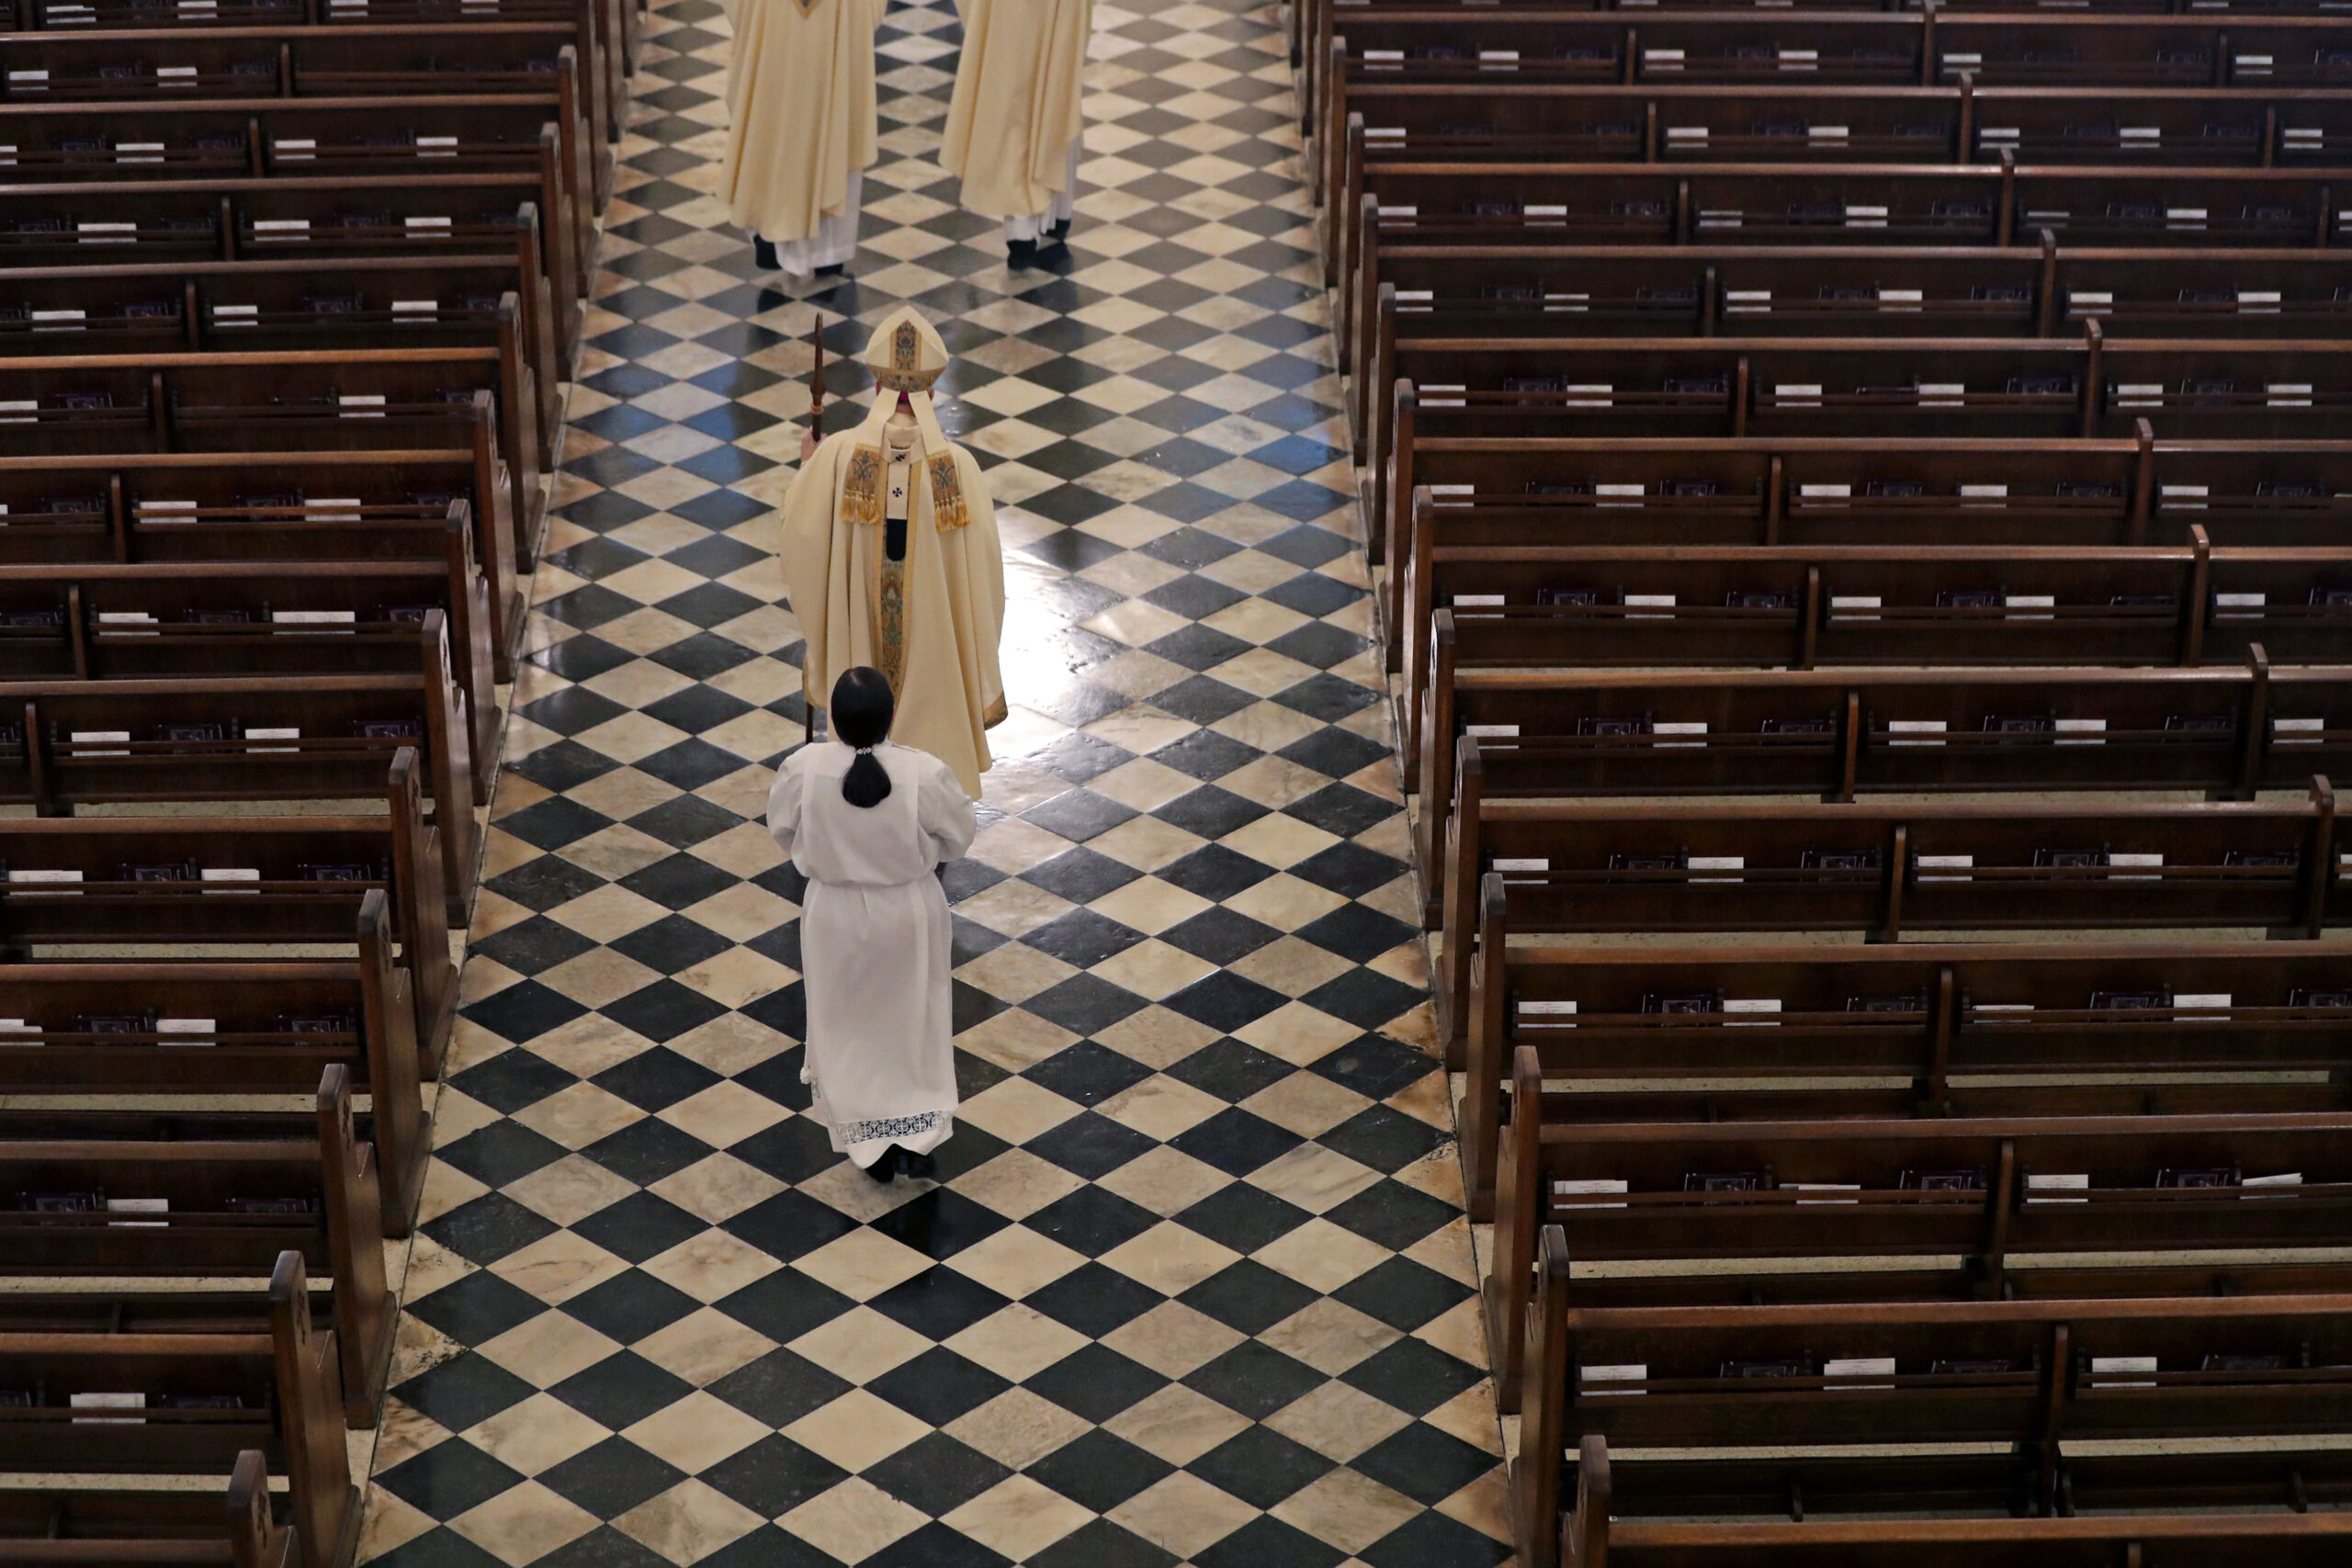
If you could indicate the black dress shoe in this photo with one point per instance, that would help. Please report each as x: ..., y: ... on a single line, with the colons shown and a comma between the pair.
x: 919, y: 1167
x: 1059, y: 234
x: 1021, y: 254
x: 885, y: 1168
x: 836, y: 270
x: 763, y: 254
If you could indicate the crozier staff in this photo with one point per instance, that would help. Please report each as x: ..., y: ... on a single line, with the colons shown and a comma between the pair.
x: 867, y: 822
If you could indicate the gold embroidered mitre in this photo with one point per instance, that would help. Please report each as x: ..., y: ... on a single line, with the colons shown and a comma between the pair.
x: 905, y: 353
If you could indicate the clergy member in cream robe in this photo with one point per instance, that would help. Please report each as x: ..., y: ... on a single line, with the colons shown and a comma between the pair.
x: 1014, y: 120
x: 867, y: 822
x: 889, y: 552
x: 799, y: 127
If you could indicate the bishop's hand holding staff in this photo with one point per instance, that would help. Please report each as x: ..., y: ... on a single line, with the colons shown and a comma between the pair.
x: 891, y: 554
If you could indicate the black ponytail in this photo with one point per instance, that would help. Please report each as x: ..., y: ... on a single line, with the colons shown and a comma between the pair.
x: 862, y: 712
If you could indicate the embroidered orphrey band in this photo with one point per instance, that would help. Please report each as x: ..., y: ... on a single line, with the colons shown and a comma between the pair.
x: 947, y: 508
x: 862, y: 486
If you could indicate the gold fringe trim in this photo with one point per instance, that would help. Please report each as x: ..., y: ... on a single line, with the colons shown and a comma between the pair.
x: 862, y: 487
x: 947, y: 508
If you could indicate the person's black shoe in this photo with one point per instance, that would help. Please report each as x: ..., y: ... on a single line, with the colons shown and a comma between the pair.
x: 1020, y: 256
x: 763, y: 254
x: 885, y: 1169
x: 920, y: 1168
x: 1059, y: 234
x: 837, y: 270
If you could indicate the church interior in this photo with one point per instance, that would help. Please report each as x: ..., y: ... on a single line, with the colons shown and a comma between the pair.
x: 878, y: 784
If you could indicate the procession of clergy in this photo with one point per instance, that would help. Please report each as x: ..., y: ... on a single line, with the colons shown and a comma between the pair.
x: 890, y: 544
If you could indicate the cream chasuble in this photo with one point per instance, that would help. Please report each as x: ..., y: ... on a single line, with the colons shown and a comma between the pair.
x: 930, y: 622
x: 800, y: 111
x: 1017, y: 109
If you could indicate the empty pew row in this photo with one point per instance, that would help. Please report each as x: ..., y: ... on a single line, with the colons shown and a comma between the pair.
x: 133, y: 67
x: 2030, y: 1020
x: 476, y: 400
x: 1387, y: 43
x: 1418, y: 205
x: 161, y: 1525
x: 2184, y: 128
x: 265, y: 138
x: 1845, y: 291
x: 193, y: 1403
x: 212, y: 1027
x: 240, y: 882
x: 64, y: 745
x: 219, y: 1196
x: 2045, y: 1377
x: 1879, y: 869
x: 301, y: 223
x: 2009, y: 388
x: 1477, y: 493
x: 1837, y: 734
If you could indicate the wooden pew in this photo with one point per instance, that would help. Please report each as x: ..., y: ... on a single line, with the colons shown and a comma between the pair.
x: 1881, y: 868
x: 240, y: 401
x: 292, y: 506
x: 240, y: 1189
x: 333, y: 61
x: 282, y: 303
x: 106, y: 622
x: 1846, y: 291
x: 238, y: 882
x: 539, y: 134
x: 206, y: 1399
x: 113, y: 1029
x: 1915, y: 1015
x: 77, y: 223
x: 243, y: 737
x: 1599, y: 1531
x: 1838, y: 734
x: 1480, y: 492
x: 165, y: 1526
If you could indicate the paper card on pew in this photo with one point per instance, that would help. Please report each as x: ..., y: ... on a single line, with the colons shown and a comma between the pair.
x: 361, y: 405
x: 436, y: 146
x: 295, y: 149
x: 1984, y: 492
x: 123, y: 621
x: 1902, y: 301
x: 1629, y: 492
x: 1661, y: 60
x: 1551, y: 1015
x: 1695, y: 727
x: 2136, y: 862
x: 176, y: 76
x: 230, y: 875
x: 1918, y: 728
x: 1415, y: 301
x: 2272, y: 1187
x: 139, y: 1206
x: 1942, y: 394
x: 108, y: 1402
x: 1799, y: 394
x: 137, y: 151
x: 2109, y: 1365
x: 19, y: 411
x: 1566, y: 304
x: 1649, y: 602
x: 337, y: 509
x: 1860, y: 1367
x: 1428, y: 401
x: 1752, y: 1007
x: 2079, y: 731
x: 1718, y: 863
x: 425, y: 228
x: 1507, y: 60
x: 1822, y: 1186
x: 1948, y: 868
x: 47, y: 881
x: 236, y: 315
x: 2302, y: 731
x: 106, y: 233
x: 1477, y: 602
x: 187, y: 1026
x: 2016, y: 601
x: 275, y: 732
x: 1491, y: 736
x: 59, y: 320
x: 1824, y: 492
x: 1587, y: 1186
x: 281, y: 229
x: 415, y: 310
x: 16, y: 1026
x: 1629, y: 1372
x: 31, y: 81
x: 2039, y: 1188
x: 1748, y: 301
x: 316, y: 623
x: 91, y: 736
x: 2288, y: 394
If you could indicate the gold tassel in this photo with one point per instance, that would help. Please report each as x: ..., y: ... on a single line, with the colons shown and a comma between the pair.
x: 947, y: 508
x: 862, y: 487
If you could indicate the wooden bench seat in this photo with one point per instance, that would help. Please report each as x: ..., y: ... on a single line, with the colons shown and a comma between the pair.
x: 76, y: 223
x: 114, y: 1029
x: 236, y: 1190
x: 286, y: 303
x: 203, y: 1400
x: 107, y: 622
x: 231, y: 882
x: 244, y: 738
x: 165, y: 1526
x: 257, y: 402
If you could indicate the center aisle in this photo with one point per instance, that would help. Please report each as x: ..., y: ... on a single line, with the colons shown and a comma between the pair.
x: 1195, y: 1285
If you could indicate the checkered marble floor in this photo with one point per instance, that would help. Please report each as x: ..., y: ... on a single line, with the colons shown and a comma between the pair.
x: 1194, y: 1285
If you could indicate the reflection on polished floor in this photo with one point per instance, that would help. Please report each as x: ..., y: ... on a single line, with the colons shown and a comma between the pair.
x: 1194, y: 1286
